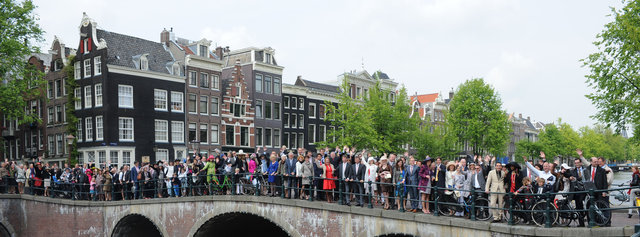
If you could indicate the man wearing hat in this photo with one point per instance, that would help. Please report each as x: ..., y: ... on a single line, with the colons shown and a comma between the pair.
x: 513, y: 179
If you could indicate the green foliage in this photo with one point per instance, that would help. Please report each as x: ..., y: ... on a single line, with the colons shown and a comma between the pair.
x: 614, y: 69
x: 72, y: 120
x: 527, y: 148
x: 18, y: 32
x: 372, y: 122
x: 434, y: 141
x: 477, y: 119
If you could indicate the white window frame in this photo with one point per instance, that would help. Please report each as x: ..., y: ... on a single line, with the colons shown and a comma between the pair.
x: 78, y: 94
x: 285, y: 122
x: 88, y: 103
x: 87, y: 68
x: 177, y: 101
x: 301, y: 103
x: 312, y: 112
x: 268, y: 138
x: 206, y: 106
x: 144, y: 63
x: 124, y: 89
x: 215, y: 134
x: 215, y: 82
x: 203, y: 127
x: 177, y: 132
x: 162, y: 154
x: 300, y: 121
x: 77, y: 70
x: 88, y: 127
x: 193, y: 79
x: 79, y: 133
x: 286, y: 98
x: 258, y: 85
x: 276, y: 139
x: 204, y: 80
x: 161, y: 130
x: 277, y: 86
x: 97, y: 64
x: 99, y: 128
x: 160, y: 98
x: 322, y: 128
x: 259, y: 137
x: 121, y: 129
x: 98, y: 94
x: 215, y: 105
x: 259, y: 113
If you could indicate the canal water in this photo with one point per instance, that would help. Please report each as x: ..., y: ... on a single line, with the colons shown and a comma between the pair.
x: 622, y: 177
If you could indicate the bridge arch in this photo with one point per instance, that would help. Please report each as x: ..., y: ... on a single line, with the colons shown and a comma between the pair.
x: 136, y: 225
x: 209, y: 220
x: 239, y: 224
x: 6, y: 229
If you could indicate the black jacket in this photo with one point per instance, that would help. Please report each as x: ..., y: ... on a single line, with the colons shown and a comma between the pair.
x: 360, y: 174
x: 347, y: 171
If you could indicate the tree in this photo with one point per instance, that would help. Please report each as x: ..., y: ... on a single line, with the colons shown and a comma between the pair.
x: 353, y: 123
x: 527, y: 148
x: 614, y: 69
x: 477, y: 119
x: 434, y: 141
x: 391, y: 120
x: 18, y: 34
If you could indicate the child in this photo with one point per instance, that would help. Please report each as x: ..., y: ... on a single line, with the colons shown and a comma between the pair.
x: 176, y: 185
x: 236, y: 180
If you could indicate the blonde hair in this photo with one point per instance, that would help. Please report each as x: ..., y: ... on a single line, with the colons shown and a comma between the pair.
x: 526, y: 179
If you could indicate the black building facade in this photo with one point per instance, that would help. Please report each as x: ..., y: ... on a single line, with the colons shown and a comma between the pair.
x: 128, y: 104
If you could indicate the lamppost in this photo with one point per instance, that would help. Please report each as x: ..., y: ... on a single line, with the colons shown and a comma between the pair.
x: 70, y: 139
x: 195, y: 146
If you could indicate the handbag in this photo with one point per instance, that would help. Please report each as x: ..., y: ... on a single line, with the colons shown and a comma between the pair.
x: 387, y: 176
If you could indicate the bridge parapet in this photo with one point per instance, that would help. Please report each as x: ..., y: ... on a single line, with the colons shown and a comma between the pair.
x: 26, y: 215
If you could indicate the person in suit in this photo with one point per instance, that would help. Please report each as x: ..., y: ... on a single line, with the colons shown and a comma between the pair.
x: 495, y: 183
x: 343, y: 172
x: 527, y: 172
x: 134, y: 179
x: 290, y: 169
x: 476, y: 178
x: 578, y: 175
x: 358, y: 171
x: 412, y: 183
x: 440, y: 176
x: 598, y: 176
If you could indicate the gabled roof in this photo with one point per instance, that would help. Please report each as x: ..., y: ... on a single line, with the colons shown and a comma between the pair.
x: 122, y: 49
x: 381, y: 75
x: 316, y: 85
x: 426, y: 98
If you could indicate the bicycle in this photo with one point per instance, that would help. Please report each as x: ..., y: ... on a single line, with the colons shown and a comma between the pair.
x: 601, y: 217
x: 566, y: 212
x: 539, y: 212
x: 620, y: 196
x: 450, y: 205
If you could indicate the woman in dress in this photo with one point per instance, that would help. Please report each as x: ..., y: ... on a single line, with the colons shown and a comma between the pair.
x: 459, y: 179
x: 398, y: 181
x: 327, y: 174
x: 424, y: 185
x: 273, y: 172
x: 20, y: 178
x: 370, y: 175
x: 299, y: 176
x: 107, y: 184
x: 307, y: 171
x: 450, y: 183
x: 385, y: 174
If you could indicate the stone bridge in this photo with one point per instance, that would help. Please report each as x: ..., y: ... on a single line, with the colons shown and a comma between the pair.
x: 25, y: 215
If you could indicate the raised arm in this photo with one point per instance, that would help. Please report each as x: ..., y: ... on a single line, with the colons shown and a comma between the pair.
x: 585, y: 162
x: 532, y: 168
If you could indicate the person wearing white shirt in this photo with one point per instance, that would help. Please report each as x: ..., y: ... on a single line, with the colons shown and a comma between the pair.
x: 546, y: 174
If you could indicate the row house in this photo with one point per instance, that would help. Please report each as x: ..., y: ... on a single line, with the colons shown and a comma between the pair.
x: 430, y: 107
x: 130, y: 86
x: 25, y: 141
x: 202, y: 68
x: 56, y: 116
x: 521, y: 129
x: 304, y: 110
x: 263, y: 78
x: 360, y: 82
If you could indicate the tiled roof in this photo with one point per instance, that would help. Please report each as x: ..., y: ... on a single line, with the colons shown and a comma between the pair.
x: 317, y: 85
x: 380, y: 75
x: 122, y: 49
x: 426, y: 98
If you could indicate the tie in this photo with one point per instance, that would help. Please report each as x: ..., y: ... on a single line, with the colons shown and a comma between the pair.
x: 580, y: 173
x: 411, y: 169
x: 499, y: 174
x: 357, y: 169
x: 593, y: 173
x: 437, y: 172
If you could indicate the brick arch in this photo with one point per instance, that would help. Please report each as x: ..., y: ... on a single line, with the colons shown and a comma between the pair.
x: 6, y: 229
x: 127, y: 216
x: 286, y: 226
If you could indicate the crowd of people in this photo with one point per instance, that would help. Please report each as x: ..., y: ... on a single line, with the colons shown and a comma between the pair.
x: 391, y: 181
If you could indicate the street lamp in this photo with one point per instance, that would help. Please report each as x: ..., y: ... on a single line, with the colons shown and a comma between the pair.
x: 70, y: 139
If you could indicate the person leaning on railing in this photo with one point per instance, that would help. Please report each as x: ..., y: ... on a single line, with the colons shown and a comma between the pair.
x: 635, y: 187
x: 495, y: 186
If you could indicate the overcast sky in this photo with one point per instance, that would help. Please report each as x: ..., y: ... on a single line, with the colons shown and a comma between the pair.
x: 528, y: 50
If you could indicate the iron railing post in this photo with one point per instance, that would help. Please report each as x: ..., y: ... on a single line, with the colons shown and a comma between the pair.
x: 370, y: 194
x: 592, y: 202
x: 547, y: 212
x: 510, y: 195
x: 473, y: 204
x: 436, y: 211
x: 400, y: 196
x: 311, y: 186
x: 340, y: 201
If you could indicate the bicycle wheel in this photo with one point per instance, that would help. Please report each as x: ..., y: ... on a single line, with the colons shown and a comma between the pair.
x: 566, y: 214
x: 444, y: 207
x: 518, y: 214
x: 601, y: 217
x: 483, y: 212
x: 619, y: 197
x: 538, y: 214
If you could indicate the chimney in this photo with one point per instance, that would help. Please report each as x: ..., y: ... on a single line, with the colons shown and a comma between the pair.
x: 299, y: 77
x: 226, y: 49
x: 520, y: 116
x: 219, y: 52
x: 528, y: 118
x: 164, y: 37
x: 451, y: 94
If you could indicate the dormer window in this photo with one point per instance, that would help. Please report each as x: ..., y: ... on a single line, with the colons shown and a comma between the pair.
x: 204, y: 51
x: 57, y: 65
x: 267, y: 58
x: 239, y: 90
x: 144, y: 63
x: 176, y: 69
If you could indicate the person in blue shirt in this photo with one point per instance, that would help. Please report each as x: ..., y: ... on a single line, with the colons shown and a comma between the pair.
x: 272, y: 171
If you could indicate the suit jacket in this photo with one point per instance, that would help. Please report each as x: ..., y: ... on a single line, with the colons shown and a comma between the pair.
x: 358, y: 176
x: 441, y: 175
x: 412, y: 176
x: 290, y: 166
x: 495, y: 183
x: 134, y: 174
x: 346, y: 168
x: 527, y: 173
x: 481, y: 181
